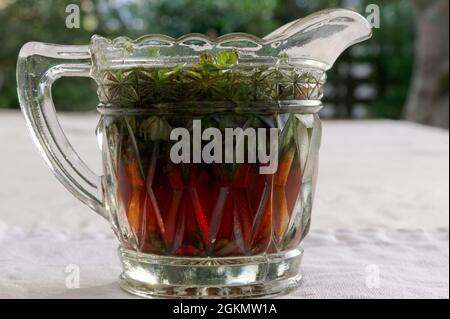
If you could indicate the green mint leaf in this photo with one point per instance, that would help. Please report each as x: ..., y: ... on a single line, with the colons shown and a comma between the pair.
x: 206, y: 59
x: 226, y: 58
x: 153, y: 52
x: 155, y: 128
x: 129, y: 49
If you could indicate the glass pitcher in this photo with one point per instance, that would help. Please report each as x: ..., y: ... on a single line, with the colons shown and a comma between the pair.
x: 210, y: 149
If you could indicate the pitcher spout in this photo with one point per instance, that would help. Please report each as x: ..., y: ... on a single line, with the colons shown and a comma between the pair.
x: 320, y: 37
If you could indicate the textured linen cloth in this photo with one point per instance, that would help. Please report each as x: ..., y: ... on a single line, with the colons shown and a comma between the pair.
x: 379, y: 226
x: 367, y: 263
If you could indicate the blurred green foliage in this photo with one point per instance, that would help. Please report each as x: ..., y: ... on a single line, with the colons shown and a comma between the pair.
x: 392, y: 55
x: 390, y: 52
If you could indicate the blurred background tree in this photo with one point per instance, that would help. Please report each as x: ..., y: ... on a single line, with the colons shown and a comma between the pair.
x: 371, y: 80
x: 428, y: 98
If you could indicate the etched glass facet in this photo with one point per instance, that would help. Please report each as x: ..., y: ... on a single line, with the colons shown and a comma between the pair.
x: 208, y: 210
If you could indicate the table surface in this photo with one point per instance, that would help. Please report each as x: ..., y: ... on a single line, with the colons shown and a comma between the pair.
x: 379, y: 227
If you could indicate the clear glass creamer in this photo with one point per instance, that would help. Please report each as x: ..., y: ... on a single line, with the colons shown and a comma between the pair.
x: 210, y: 149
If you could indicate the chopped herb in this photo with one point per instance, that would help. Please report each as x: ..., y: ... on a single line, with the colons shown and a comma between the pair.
x: 218, y: 78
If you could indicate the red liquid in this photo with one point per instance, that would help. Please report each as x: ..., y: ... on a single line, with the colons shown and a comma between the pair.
x: 207, y: 209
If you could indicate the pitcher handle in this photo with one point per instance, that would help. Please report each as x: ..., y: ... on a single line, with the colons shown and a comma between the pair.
x: 38, y: 66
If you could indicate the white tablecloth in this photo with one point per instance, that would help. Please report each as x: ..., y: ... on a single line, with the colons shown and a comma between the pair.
x: 379, y: 228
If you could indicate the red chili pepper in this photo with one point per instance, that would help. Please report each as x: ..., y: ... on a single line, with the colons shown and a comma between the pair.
x: 136, y: 204
x: 281, y: 212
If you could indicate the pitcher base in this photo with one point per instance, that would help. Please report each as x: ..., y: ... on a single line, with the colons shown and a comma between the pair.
x: 149, y: 275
